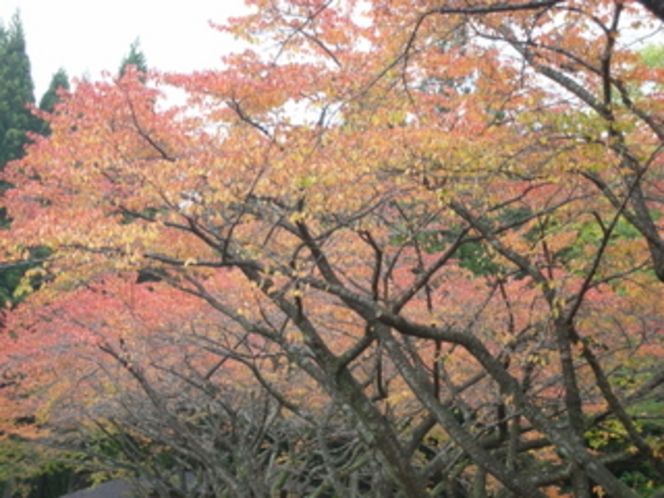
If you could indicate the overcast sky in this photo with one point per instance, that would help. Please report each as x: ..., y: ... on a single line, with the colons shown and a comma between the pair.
x: 86, y: 37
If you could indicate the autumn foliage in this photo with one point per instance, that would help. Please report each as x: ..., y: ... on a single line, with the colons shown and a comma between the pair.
x: 416, y: 250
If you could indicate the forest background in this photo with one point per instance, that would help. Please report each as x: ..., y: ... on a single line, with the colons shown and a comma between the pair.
x: 396, y: 249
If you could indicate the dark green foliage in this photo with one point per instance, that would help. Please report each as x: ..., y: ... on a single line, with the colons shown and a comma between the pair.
x: 135, y: 58
x: 30, y: 471
x: 9, y: 281
x: 16, y: 93
x: 52, y: 97
x: 11, y: 276
x: 474, y: 256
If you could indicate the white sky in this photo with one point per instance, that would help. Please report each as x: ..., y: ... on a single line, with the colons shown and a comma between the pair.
x: 86, y: 37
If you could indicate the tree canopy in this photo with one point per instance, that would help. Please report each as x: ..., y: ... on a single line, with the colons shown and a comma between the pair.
x: 388, y: 250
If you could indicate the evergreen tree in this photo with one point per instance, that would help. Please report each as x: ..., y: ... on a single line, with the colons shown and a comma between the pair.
x: 136, y: 58
x: 16, y: 92
x: 51, y: 97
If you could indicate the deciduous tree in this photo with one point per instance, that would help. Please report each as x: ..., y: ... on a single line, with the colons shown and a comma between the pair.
x: 442, y: 223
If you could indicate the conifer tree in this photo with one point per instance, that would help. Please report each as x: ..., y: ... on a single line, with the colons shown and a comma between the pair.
x: 16, y: 92
x: 135, y: 58
x: 51, y: 97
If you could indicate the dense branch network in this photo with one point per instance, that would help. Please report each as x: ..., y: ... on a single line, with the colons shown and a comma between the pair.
x: 446, y: 287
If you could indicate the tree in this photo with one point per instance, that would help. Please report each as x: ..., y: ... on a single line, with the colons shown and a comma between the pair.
x: 16, y: 122
x: 16, y: 95
x: 135, y: 58
x: 20, y: 120
x: 51, y: 96
x: 433, y: 232
x: 59, y: 83
x: 655, y: 6
x: 17, y: 92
